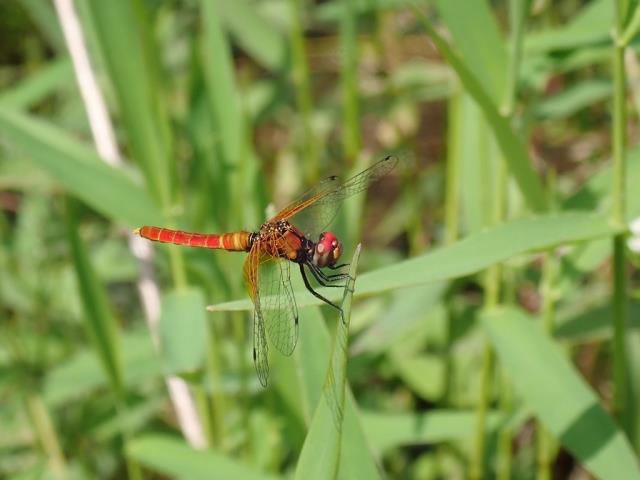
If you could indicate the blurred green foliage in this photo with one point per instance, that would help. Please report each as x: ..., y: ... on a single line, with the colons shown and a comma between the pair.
x: 480, y: 333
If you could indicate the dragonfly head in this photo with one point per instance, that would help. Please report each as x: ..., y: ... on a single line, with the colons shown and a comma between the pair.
x: 327, y: 250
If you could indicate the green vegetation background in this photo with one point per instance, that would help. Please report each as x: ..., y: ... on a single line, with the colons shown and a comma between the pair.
x: 494, y: 323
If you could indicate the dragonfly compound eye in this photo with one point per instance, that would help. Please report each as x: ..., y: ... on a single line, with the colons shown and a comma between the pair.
x: 327, y: 251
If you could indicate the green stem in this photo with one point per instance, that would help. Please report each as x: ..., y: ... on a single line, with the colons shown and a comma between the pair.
x: 545, y: 444
x: 348, y: 42
x: 518, y: 10
x: 178, y: 270
x: 451, y: 228
x: 504, y: 463
x: 133, y: 467
x: 518, y: 13
x: 452, y: 188
x: 619, y: 138
x: 492, y: 283
x: 303, y: 90
x: 620, y: 369
x: 46, y: 433
x: 622, y: 407
x: 477, y: 463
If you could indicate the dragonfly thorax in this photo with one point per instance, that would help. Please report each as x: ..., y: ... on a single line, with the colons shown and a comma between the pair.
x: 327, y: 251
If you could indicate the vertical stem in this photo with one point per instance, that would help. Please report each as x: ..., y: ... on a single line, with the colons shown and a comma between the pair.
x: 47, y: 436
x: 518, y: 12
x: 134, y: 470
x: 477, y: 463
x: 505, y: 437
x: 452, y: 188
x: 620, y: 370
x: 349, y: 47
x: 178, y: 271
x: 303, y: 90
x: 545, y: 444
x: 451, y: 225
x: 492, y: 281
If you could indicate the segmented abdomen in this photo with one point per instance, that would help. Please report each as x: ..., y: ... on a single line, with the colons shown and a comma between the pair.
x: 235, y: 241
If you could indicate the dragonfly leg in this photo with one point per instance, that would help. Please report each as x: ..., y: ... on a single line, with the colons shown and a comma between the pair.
x: 324, y: 279
x: 314, y: 293
x: 336, y: 267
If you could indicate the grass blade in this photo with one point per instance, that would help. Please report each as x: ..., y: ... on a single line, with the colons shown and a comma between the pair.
x: 254, y: 33
x: 392, y: 430
x: 79, y: 170
x: 175, y: 458
x: 513, y: 150
x: 320, y: 456
x: 476, y: 34
x: 37, y: 86
x: 470, y: 255
x: 101, y: 324
x: 553, y: 389
x: 300, y: 383
x: 125, y: 43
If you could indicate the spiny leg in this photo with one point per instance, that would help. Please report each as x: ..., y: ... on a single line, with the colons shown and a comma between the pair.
x: 323, y: 279
x: 330, y: 278
x: 336, y: 267
x: 314, y: 293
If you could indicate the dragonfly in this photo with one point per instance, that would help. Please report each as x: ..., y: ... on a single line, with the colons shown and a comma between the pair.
x: 285, y: 240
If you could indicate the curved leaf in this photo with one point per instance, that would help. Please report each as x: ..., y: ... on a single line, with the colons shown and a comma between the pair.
x: 470, y: 255
x: 79, y: 169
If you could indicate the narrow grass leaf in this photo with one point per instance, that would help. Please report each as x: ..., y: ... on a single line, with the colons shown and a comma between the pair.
x: 477, y: 36
x: 220, y: 81
x: 470, y: 138
x: 255, y: 35
x: 125, y: 41
x: 559, y: 397
x: 589, y: 26
x: 320, y: 456
x: 183, y: 330
x: 574, y: 99
x: 239, y: 163
x: 595, y: 195
x: 513, y: 149
x: 300, y: 384
x: 41, y: 13
x: 349, y: 58
x: 594, y: 324
x: 470, y: 255
x: 391, y: 430
x: 100, y: 322
x: 79, y: 169
x: 39, y: 85
x: 171, y: 456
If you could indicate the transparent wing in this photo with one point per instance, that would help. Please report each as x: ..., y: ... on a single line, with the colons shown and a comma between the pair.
x: 275, y: 311
x: 260, y: 347
x: 278, y: 307
x: 315, y: 209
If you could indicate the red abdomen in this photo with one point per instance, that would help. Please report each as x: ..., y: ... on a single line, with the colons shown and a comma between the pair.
x: 235, y: 241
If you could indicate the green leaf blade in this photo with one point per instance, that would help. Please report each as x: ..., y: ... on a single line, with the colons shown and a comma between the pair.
x: 79, y: 169
x: 553, y: 389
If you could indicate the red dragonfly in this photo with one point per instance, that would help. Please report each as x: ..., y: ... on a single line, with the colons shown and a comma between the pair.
x: 285, y: 239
